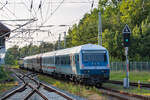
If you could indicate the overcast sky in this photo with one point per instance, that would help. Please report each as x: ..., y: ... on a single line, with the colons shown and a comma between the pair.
x: 47, y: 12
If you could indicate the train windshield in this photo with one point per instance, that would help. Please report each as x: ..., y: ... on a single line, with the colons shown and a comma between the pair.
x: 94, y: 58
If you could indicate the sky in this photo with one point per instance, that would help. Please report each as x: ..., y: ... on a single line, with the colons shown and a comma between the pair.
x: 50, y: 15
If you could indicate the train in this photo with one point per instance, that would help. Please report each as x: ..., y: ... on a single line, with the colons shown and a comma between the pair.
x: 88, y: 63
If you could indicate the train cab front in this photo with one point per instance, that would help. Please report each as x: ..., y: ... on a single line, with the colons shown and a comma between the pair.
x: 95, y: 66
x: 95, y: 76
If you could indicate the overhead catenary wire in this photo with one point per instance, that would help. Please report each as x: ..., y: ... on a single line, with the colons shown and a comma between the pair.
x: 4, y: 5
x: 9, y: 11
x: 53, y: 12
x: 71, y: 2
x: 46, y: 18
x: 8, y: 15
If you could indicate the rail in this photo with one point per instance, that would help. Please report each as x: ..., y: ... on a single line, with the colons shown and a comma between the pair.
x: 22, y: 77
x: 131, y: 83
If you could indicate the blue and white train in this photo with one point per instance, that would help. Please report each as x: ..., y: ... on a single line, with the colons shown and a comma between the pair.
x: 87, y: 63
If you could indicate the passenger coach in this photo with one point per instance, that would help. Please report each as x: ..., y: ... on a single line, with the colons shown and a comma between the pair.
x: 87, y: 63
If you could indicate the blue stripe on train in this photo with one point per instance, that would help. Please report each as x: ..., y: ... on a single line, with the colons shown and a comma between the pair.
x: 95, y: 71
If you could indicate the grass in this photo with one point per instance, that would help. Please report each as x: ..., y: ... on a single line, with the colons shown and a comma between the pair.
x: 6, y: 86
x: 87, y: 93
x: 5, y: 75
x: 135, y: 76
x: 14, y: 66
x: 72, y: 88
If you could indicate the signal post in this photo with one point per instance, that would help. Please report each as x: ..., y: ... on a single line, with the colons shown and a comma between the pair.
x: 126, y: 40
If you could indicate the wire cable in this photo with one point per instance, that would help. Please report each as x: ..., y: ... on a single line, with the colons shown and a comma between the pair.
x: 53, y: 12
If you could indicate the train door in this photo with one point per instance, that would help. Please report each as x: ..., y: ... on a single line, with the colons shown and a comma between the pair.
x: 39, y: 64
x: 73, y: 64
x: 77, y: 63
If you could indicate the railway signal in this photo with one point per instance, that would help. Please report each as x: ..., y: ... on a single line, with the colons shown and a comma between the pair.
x: 126, y: 39
x: 126, y: 36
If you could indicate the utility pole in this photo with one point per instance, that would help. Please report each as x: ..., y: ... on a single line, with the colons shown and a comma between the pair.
x: 59, y: 41
x: 64, y: 39
x: 99, y: 29
x: 127, y: 69
x: 126, y: 40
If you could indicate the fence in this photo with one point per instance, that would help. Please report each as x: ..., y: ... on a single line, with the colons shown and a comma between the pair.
x: 133, y: 66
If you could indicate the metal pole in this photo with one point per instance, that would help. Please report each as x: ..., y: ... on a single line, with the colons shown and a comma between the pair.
x: 59, y: 41
x: 127, y: 67
x: 64, y: 39
x: 99, y: 30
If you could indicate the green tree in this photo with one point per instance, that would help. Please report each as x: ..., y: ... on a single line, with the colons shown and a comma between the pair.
x: 12, y: 55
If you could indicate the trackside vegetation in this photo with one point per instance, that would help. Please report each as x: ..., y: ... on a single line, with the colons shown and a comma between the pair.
x: 4, y: 74
x: 76, y: 89
x: 134, y: 90
x: 90, y: 92
x: 6, y: 81
x: 134, y: 76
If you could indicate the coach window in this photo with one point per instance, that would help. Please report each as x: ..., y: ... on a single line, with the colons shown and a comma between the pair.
x: 65, y: 60
x: 44, y: 60
x: 57, y: 60
x: 69, y: 62
x: 62, y: 60
x: 49, y: 60
x: 52, y: 60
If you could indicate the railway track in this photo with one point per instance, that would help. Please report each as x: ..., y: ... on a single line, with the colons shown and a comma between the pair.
x: 32, y: 89
x: 131, y: 83
x: 29, y: 82
x: 122, y: 95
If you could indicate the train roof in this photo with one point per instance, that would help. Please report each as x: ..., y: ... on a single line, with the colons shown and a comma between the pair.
x: 74, y: 50
x: 69, y: 51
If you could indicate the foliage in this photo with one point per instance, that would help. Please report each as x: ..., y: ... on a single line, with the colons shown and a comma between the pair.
x: 114, y: 15
x: 15, y: 53
x: 4, y: 74
x: 12, y: 55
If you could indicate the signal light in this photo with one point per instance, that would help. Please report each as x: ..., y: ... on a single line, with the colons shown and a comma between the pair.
x: 126, y: 39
